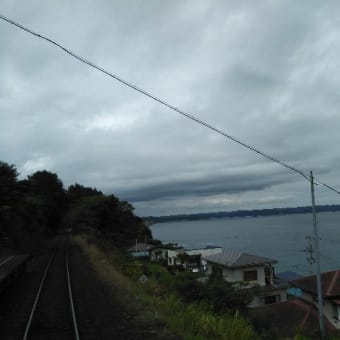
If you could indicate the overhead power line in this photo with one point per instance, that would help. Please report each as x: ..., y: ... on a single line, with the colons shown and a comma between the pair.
x: 330, y: 188
x: 163, y: 102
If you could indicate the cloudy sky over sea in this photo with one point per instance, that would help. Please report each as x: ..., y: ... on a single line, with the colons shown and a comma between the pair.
x: 266, y: 72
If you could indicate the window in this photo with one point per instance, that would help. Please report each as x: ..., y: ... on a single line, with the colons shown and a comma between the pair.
x: 250, y: 275
x: 272, y: 299
x: 217, y: 272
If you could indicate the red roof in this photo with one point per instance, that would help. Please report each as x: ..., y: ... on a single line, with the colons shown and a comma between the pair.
x: 292, y: 316
x: 330, y: 283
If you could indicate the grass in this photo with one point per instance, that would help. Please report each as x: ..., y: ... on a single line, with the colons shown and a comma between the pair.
x: 106, y: 264
x: 197, y: 321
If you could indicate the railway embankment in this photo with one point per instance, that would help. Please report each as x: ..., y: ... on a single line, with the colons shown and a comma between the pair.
x: 37, y: 304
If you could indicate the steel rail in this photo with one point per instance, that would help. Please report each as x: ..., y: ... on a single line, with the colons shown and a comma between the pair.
x: 74, y: 319
x: 28, y: 326
x: 6, y: 260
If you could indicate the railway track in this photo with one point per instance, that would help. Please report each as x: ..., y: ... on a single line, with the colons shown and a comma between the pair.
x: 37, y: 304
x: 52, y: 315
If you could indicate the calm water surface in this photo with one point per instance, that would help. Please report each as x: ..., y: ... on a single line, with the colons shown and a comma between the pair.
x: 282, y: 238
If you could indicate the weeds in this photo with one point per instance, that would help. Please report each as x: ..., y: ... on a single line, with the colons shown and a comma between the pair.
x: 191, y: 321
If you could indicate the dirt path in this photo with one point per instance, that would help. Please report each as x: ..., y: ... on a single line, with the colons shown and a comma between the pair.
x: 101, y: 314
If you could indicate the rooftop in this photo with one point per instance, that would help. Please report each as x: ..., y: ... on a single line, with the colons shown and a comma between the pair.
x: 291, y: 316
x: 140, y: 247
x: 330, y: 282
x: 204, y: 248
x: 238, y: 259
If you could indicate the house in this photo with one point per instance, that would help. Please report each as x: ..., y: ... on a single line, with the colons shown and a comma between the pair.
x: 250, y: 270
x: 159, y: 254
x: 330, y: 283
x: 166, y: 253
x: 140, y: 250
x: 174, y: 255
x: 204, y: 252
x: 192, y: 257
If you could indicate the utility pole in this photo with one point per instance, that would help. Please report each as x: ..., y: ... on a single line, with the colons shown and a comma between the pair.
x: 317, y: 258
x: 310, y: 254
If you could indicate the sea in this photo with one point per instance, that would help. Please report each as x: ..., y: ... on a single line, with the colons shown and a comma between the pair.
x: 284, y: 238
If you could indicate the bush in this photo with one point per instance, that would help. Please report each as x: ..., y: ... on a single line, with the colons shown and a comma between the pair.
x: 221, y: 295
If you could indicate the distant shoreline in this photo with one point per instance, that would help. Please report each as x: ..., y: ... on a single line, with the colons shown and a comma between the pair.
x: 240, y: 213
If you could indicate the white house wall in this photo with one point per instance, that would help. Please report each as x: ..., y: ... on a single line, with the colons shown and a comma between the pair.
x: 236, y: 275
x: 328, y: 312
x: 327, y: 308
x: 161, y: 254
x: 259, y: 301
x: 172, y: 255
x: 232, y: 275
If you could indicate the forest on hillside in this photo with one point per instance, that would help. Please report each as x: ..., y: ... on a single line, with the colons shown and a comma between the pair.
x: 38, y: 207
x: 241, y: 213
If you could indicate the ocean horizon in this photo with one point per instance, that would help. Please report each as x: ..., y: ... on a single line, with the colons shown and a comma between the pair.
x: 284, y: 238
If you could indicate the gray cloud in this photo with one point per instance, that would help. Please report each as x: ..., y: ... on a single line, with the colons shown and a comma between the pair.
x: 266, y: 72
x: 199, y: 187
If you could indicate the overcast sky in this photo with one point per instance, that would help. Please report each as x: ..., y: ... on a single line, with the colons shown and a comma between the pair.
x: 267, y: 72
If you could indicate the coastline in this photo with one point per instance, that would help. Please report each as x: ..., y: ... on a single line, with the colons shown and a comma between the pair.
x: 239, y: 213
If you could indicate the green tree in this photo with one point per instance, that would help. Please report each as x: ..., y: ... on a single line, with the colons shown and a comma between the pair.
x: 77, y: 191
x: 8, y: 197
x: 45, y: 191
x: 110, y: 217
x: 34, y: 208
x: 225, y: 295
x: 8, y: 184
x: 221, y: 295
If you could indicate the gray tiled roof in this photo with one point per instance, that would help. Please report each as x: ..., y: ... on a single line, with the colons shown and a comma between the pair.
x: 237, y: 259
